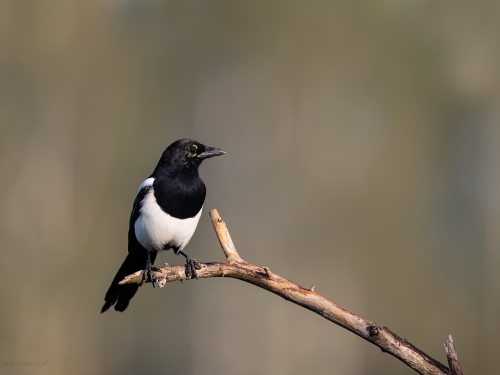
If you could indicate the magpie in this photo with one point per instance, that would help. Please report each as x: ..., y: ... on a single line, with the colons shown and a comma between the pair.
x: 164, y: 216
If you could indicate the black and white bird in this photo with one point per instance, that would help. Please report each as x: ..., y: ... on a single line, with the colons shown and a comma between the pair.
x: 164, y: 216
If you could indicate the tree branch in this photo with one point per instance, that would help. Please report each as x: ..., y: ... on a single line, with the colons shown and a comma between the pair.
x: 234, y: 266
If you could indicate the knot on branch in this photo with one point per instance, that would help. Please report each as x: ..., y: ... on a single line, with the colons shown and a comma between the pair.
x: 373, y: 330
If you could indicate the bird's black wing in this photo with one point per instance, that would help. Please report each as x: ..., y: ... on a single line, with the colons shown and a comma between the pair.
x: 134, y: 215
x: 135, y: 261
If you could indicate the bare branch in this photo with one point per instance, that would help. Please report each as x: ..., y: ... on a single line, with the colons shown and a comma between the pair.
x: 234, y: 266
x: 451, y: 354
x: 223, y: 236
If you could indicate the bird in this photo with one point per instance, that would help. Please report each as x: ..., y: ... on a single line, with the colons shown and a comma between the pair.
x: 164, y: 216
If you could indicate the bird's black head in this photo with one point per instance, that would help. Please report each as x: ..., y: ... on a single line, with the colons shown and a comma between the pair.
x: 187, y: 153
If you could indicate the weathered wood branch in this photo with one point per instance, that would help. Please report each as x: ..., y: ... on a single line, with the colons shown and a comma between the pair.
x: 234, y: 266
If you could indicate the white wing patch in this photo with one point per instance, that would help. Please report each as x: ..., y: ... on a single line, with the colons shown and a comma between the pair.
x: 155, y: 228
x: 147, y: 182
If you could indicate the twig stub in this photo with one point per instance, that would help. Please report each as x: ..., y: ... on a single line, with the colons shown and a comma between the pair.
x: 268, y: 272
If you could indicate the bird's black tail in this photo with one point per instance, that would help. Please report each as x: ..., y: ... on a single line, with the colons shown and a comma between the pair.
x: 122, y: 294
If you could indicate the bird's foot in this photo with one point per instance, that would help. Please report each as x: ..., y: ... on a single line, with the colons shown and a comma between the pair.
x: 191, y: 266
x: 148, y: 275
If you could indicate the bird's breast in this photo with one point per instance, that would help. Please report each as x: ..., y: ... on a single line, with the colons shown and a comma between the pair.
x: 156, y: 230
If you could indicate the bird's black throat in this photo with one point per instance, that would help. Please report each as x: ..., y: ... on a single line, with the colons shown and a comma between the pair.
x: 181, y: 194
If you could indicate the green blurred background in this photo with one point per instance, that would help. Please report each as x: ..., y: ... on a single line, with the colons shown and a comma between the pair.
x: 363, y: 156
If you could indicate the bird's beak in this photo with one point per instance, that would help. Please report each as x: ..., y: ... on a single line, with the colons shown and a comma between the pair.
x: 210, y: 152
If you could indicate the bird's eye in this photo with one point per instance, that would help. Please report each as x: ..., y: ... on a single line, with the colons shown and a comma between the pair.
x: 193, y: 149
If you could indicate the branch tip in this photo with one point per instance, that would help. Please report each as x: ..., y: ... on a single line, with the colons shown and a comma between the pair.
x: 452, y: 356
x: 223, y: 235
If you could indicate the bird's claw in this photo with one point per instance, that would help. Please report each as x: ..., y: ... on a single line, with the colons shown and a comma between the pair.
x: 191, y: 266
x: 148, y: 275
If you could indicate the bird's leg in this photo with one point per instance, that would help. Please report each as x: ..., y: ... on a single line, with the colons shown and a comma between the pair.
x: 191, y: 265
x: 149, y: 267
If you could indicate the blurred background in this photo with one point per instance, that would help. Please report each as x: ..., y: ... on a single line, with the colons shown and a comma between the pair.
x: 363, y: 156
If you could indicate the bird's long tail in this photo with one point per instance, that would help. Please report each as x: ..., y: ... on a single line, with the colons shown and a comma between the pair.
x: 122, y: 294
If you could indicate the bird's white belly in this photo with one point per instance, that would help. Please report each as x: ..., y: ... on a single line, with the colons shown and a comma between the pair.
x: 155, y: 228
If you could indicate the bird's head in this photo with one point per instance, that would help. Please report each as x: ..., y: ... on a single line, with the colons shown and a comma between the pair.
x: 188, y: 153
